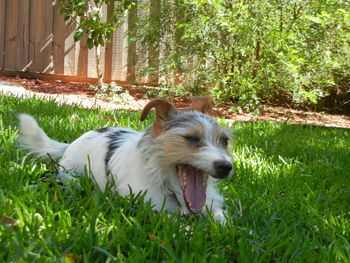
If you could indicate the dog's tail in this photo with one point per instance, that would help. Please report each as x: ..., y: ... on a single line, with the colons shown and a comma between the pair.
x: 36, y: 141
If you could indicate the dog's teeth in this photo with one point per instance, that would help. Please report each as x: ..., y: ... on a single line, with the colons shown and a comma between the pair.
x: 184, y: 177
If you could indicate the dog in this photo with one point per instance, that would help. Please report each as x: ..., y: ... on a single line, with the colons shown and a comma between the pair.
x: 176, y: 162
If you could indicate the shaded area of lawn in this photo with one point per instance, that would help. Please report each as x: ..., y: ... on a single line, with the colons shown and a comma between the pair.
x: 288, y: 201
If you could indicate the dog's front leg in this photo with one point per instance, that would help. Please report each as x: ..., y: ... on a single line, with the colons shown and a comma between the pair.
x: 219, y: 215
x: 215, y: 205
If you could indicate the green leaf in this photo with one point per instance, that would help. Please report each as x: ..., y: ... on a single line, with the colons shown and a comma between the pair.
x: 78, y: 34
x: 90, y: 42
x: 101, y: 40
x: 315, y: 19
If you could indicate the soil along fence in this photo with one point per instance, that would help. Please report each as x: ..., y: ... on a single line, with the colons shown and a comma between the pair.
x: 35, y: 38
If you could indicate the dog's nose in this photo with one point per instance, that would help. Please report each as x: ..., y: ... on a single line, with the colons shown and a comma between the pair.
x: 222, y: 168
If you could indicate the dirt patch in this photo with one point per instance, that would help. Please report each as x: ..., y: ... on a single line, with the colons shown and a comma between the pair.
x: 82, y: 92
x: 52, y: 86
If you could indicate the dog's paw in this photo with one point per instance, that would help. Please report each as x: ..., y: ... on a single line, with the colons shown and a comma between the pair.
x: 219, y: 216
x: 67, y: 178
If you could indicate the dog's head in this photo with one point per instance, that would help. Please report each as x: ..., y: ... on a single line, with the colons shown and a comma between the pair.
x: 192, y: 144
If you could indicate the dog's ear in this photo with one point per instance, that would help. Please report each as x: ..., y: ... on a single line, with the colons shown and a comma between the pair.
x: 203, y: 104
x: 164, y: 110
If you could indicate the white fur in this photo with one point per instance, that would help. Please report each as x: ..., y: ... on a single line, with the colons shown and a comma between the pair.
x: 36, y: 141
x: 135, y: 166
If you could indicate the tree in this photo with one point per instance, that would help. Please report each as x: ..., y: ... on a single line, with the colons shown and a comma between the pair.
x: 89, y: 19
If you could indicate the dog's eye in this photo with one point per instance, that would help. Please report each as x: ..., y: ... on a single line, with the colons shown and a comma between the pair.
x: 195, y: 140
x: 224, y: 141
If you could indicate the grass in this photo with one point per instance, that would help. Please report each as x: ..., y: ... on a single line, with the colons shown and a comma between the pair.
x: 289, y: 200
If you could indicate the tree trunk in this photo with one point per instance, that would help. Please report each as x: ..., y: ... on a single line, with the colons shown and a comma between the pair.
x: 98, y: 64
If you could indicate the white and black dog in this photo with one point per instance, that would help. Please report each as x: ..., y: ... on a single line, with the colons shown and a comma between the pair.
x: 176, y: 162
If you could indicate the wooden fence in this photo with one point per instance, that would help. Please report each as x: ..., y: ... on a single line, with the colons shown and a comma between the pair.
x: 35, y: 38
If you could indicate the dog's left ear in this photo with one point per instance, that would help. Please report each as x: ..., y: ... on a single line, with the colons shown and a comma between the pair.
x: 203, y: 104
x: 164, y: 110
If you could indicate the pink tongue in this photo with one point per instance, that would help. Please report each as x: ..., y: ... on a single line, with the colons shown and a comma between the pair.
x: 194, y: 190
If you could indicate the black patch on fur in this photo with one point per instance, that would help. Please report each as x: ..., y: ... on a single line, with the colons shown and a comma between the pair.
x: 102, y: 130
x: 116, y: 139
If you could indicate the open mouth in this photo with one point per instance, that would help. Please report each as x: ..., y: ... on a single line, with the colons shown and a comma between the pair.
x: 193, y: 183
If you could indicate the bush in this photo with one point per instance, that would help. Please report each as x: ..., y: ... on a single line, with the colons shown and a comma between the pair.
x: 251, y: 51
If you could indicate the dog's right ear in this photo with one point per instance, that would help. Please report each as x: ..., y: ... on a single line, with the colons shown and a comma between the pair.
x: 164, y: 110
x: 203, y: 104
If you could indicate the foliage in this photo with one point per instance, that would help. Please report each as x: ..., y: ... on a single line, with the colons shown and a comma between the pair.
x: 252, y: 51
x: 88, y: 16
x: 287, y: 202
x: 113, y: 92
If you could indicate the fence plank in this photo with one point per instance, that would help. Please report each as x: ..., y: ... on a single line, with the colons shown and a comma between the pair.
x: 109, y: 46
x: 34, y: 37
x: 11, y: 35
x: 131, y: 58
x: 92, y: 63
x: 47, y: 38
x: 23, y: 60
x: 119, y: 63
x: 40, y: 47
x: 59, y: 36
x: 69, y: 52
x: 32, y: 30
x: 124, y: 51
x: 36, y: 12
x: 2, y: 32
x: 153, y: 48
x: 83, y: 55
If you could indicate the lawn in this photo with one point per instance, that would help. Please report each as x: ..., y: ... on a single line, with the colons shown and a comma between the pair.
x: 289, y: 200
